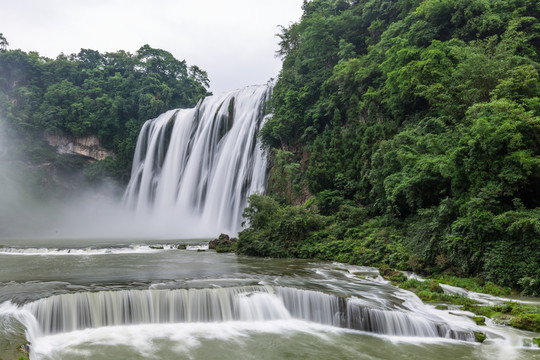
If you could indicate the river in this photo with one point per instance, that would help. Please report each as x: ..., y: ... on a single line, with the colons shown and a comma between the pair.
x: 153, y: 299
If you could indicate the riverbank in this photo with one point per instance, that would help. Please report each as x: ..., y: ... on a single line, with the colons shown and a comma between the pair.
x: 441, y: 289
x: 524, y: 315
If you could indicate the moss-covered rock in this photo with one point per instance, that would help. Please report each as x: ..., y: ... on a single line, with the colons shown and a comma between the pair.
x: 396, y: 277
x: 479, y: 320
x: 479, y: 336
x: 521, y: 316
x: 223, y: 244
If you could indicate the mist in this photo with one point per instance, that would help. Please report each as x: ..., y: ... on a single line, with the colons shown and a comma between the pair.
x: 95, y: 213
x: 197, y: 189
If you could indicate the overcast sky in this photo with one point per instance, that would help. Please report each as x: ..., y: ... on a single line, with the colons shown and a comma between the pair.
x: 233, y: 40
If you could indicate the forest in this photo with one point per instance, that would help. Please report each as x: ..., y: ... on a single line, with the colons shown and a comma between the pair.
x: 109, y: 95
x: 407, y: 134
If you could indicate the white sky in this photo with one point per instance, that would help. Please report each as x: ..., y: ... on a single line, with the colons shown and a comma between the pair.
x: 233, y: 40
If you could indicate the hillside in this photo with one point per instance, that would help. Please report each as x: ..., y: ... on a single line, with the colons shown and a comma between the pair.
x: 407, y: 133
x: 94, y: 101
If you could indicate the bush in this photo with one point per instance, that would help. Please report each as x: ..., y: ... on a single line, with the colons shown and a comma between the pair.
x: 277, y: 231
x: 530, y: 285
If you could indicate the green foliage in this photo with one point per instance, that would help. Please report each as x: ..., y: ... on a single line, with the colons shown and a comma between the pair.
x: 299, y: 231
x: 521, y: 316
x: 99, y: 171
x: 473, y: 284
x: 109, y: 95
x: 423, y: 119
x: 431, y: 291
x: 530, y: 284
x: 223, y: 244
x: 273, y: 230
x: 479, y: 320
x: 3, y: 42
x: 68, y: 164
x: 282, y: 177
x: 479, y: 336
x: 226, y: 248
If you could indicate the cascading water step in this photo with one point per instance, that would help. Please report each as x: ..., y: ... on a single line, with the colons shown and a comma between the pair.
x: 78, y: 311
x: 203, y: 305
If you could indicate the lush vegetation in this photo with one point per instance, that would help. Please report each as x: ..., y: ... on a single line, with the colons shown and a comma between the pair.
x: 521, y: 316
x: 223, y: 244
x: 407, y: 133
x: 109, y: 95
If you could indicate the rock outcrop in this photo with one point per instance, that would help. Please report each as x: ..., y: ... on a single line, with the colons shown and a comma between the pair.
x: 223, y: 243
x: 87, y: 146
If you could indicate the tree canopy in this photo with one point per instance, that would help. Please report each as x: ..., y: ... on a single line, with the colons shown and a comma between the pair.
x: 106, y: 94
x: 414, y: 126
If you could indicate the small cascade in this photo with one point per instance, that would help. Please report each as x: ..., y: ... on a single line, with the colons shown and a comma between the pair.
x: 196, y: 167
x: 70, y: 312
x: 89, y: 251
x: 347, y: 313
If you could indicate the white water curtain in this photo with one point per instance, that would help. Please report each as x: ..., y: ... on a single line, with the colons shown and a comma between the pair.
x: 194, y: 169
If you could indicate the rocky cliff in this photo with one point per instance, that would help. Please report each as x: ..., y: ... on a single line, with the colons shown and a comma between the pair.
x: 87, y: 146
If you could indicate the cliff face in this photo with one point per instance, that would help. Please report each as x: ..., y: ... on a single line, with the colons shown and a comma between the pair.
x: 87, y: 146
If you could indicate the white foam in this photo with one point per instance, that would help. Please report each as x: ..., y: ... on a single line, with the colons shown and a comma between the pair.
x: 185, y: 336
x: 485, y: 299
x: 132, y: 249
x: 197, y: 247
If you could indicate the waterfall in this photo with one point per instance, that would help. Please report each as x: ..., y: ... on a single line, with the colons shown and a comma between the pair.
x: 196, y: 167
x: 70, y: 312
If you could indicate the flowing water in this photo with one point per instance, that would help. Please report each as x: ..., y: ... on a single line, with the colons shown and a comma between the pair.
x: 90, y: 299
x: 147, y: 298
x: 195, y: 168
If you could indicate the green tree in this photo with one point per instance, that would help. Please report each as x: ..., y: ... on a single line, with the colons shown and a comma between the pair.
x: 3, y: 42
x: 419, y: 118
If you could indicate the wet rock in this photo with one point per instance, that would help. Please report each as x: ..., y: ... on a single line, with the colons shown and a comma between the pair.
x: 479, y: 320
x: 479, y: 336
x: 396, y: 277
x: 223, y: 243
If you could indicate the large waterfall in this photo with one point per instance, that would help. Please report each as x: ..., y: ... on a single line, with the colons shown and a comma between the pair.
x: 194, y: 168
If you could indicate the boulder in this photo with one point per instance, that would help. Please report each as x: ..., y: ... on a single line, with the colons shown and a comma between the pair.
x: 223, y: 243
